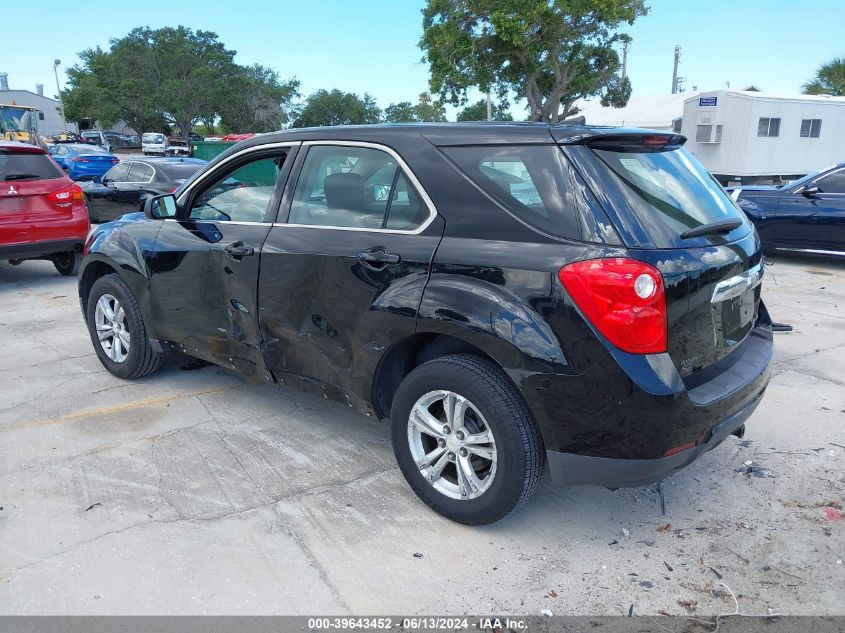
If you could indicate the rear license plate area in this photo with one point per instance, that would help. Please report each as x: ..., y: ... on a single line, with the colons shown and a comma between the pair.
x: 734, y: 317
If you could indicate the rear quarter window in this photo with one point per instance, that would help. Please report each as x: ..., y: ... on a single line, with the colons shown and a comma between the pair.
x: 536, y: 184
x: 27, y: 166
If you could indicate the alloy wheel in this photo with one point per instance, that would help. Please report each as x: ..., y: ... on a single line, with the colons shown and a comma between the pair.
x: 452, y: 445
x: 112, y: 330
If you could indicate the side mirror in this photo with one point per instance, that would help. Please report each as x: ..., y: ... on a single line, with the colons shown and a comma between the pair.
x: 810, y: 192
x: 160, y: 207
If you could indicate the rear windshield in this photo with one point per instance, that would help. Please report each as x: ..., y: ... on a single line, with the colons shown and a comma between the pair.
x: 532, y: 181
x: 669, y: 191
x: 181, y: 172
x: 27, y: 166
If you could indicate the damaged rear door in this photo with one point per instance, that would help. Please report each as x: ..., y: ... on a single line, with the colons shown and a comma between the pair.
x: 204, y: 269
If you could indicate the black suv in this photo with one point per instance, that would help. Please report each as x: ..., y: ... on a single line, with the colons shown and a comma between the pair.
x: 510, y: 296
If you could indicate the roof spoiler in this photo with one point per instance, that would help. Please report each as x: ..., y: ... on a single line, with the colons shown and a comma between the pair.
x: 643, y: 141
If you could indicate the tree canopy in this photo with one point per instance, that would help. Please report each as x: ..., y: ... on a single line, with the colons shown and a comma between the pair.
x: 425, y: 110
x: 829, y: 79
x: 335, y: 107
x: 552, y: 52
x: 178, y: 76
x: 478, y: 112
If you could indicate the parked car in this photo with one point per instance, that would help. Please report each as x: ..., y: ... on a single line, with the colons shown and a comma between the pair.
x: 122, y: 189
x: 81, y: 161
x: 806, y: 215
x: 97, y: 137
x: 42, y: 212
x: 153, y: 143
x: 509, y: 295
x: 177, y: 147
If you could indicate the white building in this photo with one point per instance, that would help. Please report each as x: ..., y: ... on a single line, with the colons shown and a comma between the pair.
x: 757, y: 137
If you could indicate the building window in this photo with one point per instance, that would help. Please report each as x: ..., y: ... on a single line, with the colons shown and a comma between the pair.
x: 811, y: 128
x: 703, y: 133
x: 718, y: 138
x: 768, y: 127
x: 676, y: 125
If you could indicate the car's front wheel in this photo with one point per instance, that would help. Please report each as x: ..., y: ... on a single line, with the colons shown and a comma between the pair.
x: 67, y: 263
x: 465, y: 439
x: 117, y: 329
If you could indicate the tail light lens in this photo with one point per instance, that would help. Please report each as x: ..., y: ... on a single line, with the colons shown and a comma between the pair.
x: 66, y: 197
x: 623, y: 299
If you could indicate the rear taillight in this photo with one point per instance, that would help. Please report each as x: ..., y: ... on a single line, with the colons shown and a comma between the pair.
x: 66, y: 197
x: 623, y: 299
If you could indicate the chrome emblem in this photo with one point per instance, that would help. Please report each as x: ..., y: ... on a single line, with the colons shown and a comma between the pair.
x: 12, y: 191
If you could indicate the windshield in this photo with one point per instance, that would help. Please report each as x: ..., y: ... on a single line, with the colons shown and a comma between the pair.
x: 799, y: 182
x: 153, y: 138
x: 669, y: 191
x: 82, y: 148
x: 14, y: 119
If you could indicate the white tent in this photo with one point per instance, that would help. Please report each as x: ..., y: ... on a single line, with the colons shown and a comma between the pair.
x: 653, y: 112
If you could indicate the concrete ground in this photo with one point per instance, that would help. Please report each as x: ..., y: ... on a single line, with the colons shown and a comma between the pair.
x: 194, y: 492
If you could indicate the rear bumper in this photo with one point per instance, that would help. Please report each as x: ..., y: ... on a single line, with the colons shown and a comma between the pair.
x: 571, y: 470
x: 40, y: 249
x: 624, y: 421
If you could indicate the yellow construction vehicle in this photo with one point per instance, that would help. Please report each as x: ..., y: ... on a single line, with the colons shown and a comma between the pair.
x: 20, y: 123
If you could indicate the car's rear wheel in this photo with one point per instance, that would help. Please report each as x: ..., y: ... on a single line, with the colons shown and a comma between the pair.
x: 117, y: 329
x: 67, y: 263
x: 465, y: 439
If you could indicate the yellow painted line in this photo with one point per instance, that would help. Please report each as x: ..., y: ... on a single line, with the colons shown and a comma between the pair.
x: 85, y: 413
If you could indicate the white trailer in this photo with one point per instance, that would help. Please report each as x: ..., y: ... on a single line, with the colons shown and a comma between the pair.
x: 759, y: 138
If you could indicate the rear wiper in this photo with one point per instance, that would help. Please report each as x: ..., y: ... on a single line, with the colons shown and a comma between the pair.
x: 20, y: 176
x: 722, y: 226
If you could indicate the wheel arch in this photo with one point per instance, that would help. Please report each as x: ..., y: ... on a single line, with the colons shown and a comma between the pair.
x: 97, y: 265
x: 407, y: 354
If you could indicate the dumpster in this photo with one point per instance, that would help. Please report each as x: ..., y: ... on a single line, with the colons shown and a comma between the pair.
x: 207, y: 150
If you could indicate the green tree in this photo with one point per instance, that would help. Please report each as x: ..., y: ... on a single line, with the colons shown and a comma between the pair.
x: 829, y: 79
x: 334, y: 107
x: 478, y: 112
x: 257, y: 100
x: 426, y: 110
x: 153, y: 77
x: 552, y: 52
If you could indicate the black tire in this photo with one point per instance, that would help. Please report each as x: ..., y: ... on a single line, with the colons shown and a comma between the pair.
x: 140, y: 360
x: 67, y: 263
x: 520, y: 453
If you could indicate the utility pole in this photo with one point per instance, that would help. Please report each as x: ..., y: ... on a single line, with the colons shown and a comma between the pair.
x: 675, y: 69
x: 56, y: 63
x: 489, y: 108
x: 625, y: 46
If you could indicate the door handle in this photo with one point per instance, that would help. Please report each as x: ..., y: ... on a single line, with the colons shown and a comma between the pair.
x: 237, y: 250
x: 378, y: 258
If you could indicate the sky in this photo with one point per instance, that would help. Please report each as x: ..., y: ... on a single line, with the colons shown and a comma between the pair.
x: 371, y: 45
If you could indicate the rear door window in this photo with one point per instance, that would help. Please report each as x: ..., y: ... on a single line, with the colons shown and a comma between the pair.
x: 27, y: 166
x: 668, y: 191
x: 355, y: 187
x: 139, y: 172
x: 530, y: 181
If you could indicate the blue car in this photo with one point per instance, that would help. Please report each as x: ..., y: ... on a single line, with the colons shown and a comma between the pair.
x: 805, y: 216
x: 82, y: 161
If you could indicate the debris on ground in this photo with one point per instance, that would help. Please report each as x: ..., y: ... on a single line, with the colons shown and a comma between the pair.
x: 665, y: 528
x: 552, y: 593
x: 648, y: 543
x: 668, y: 566
x: 417, y: 555
x: 93, y: 505
x: 646, y: 584
x: 832, y: 514
x: 546, y: 612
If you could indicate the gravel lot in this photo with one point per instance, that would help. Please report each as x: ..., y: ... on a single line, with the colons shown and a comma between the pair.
x: 194, y: 492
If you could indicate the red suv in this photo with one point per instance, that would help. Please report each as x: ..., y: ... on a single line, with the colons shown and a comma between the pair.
x: 42, y: 212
